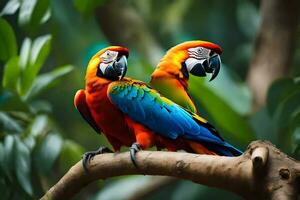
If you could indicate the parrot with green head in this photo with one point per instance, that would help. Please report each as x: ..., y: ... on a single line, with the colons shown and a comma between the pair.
x: 130, y: 113
x: 171, y: 75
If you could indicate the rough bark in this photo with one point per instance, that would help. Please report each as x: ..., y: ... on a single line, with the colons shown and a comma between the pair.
x: 274, y: 46
x: 262, y: 172
x: 122, y: 25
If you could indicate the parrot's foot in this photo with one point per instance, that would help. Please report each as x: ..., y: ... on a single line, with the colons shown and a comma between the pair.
x: 90, y: 154
x: 135, y: 147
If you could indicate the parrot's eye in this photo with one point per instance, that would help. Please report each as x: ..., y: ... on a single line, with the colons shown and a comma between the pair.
x: 200, y: 50
x: 109, y: 56
x: 199, y: 53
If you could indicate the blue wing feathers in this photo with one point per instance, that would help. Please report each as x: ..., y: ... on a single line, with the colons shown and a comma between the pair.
x: 164, y: 117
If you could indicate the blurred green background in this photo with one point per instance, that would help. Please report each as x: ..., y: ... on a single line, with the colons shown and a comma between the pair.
x: 44, y: 49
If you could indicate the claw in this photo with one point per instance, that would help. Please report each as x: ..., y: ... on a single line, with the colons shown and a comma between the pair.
x: 86, y: 158
x: 135, y: 147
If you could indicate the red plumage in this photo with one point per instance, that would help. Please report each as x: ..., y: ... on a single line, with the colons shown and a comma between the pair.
x: 96, y: 108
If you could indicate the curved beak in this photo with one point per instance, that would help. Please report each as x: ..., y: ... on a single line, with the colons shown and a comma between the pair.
x: 214, y: 66
x: 210, y: 65
x: 121, y: 66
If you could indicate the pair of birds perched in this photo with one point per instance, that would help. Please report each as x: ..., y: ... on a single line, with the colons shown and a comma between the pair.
x: 131, y: 113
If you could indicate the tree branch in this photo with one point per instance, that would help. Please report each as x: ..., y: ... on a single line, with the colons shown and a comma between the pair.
x: 235, y: 174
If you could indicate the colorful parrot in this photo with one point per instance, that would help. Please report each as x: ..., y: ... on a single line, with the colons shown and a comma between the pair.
x: 171, y: 75
x: 130, y: 113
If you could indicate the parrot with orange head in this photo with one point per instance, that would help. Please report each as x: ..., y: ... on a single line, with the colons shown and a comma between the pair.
x: 171, y: 75
x: 130, y: 113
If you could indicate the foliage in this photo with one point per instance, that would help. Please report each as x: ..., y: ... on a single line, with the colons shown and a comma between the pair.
x: 30, y: 142
x: 284, y: 108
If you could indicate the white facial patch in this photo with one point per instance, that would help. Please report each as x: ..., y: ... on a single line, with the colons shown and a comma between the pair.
x: 107, y: 58
x: 191, y: 62
x: 102, y: 67
x: 199, y: 52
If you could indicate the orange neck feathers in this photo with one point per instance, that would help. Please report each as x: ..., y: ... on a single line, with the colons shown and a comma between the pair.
x: 91, y: 71
x: 170, y: 66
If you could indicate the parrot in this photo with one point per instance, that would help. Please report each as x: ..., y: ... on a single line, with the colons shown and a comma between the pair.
x: 130, y: 113
x: 171, y: 75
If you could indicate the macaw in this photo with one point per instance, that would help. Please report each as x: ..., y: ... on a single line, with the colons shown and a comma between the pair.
x: 171, y: 75
x: 130, y: 113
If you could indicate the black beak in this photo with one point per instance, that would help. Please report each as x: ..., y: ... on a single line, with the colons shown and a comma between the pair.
x: 214, y: 66
x: 121, y: 66
x: 211, y: 65
x: 116, y: 71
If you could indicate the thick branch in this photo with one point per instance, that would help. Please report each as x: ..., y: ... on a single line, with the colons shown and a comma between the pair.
x: 274, y: 46
x: 235, y: 174
x: 181, y: 165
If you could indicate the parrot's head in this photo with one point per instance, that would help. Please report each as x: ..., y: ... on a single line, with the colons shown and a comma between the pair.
x: 109, y: 63
x: 198, y: 58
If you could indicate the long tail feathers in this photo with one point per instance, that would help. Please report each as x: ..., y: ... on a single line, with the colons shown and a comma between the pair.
x: 235, y: 151
x: 214, y: 149
x: 199, y: 148
x: 224, y: 150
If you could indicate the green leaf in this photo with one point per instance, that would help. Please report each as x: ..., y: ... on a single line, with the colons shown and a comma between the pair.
x: 283, y: 102
x: 2, y: 157
x: 287, y: 109
x: 225, y: 118
x: 25, y: 53
x: 70, y: 154
x: 30, y: 142
x: 9, y: 155
x: 33, y: 13
x: 295, y: 132
x: 47, y: 152
x: 46, y: 17
x: 38, y: 127
x: 8, y: 43
x: 40, y: 10
x: 279, y: 91
x: 39, y: 52
x: 26, y: 10
x: 40, y: 106
x: 8, y: 124
x: 47, y: 80
x: 11, y: 7
x: 296, y: 140
x: 11, y: 74
x: 23, y: 165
